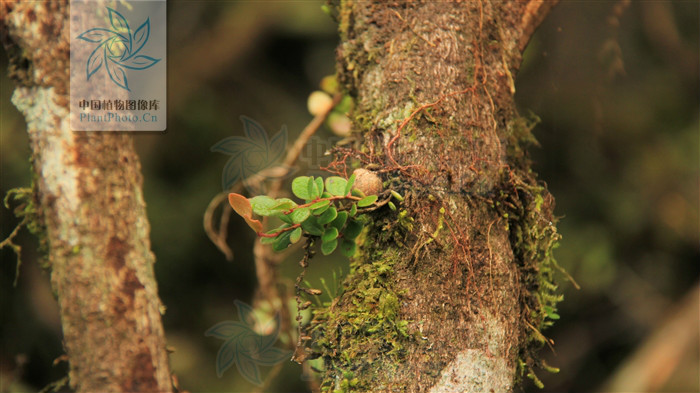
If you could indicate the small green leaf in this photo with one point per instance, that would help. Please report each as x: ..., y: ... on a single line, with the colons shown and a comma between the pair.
x: 329, y: 247
x: 551, y: 313
x: 300, y: 187
x: 284, y: 204
x: 357, y: 193
x: 330, y: 234
x: 262, y: 205
x: 366, y: 201
x: 312, y: 226
x: 336, y: 185
x: 350, y: 183
x: 328, y: 216
x: 353, y: 210
x: 340, y: 220
x: 396, y: 196
x: 348, y: 248
x: 312, y: 188
x: 392, y: 206
x: 352, y: 230
x: 285, y: 217
x: 295, y: 236
x: 299, y: 215
x: 319, y: 187
x: 282, y: 241
x: 319, y: 205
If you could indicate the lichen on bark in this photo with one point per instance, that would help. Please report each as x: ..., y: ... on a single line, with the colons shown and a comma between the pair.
x: 89, y: 207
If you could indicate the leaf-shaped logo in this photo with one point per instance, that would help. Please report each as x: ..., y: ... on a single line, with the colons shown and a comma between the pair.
x: 244, y: 347
x: 118, y: 48
x: 252, y: 154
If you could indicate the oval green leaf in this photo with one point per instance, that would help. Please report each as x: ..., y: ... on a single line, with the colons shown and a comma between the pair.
x: 319, y: 205
x: 300, y: 215
x: 329, y: 247
x: 352, y: 230
x: 356, y: 192
x: 330, y: 234
x: 295, y: 236
x: 300, y: 187
x: 340, y: 220
x: 262, y: 205
x: 397, y: 196
x: 319, y: 187
x: 349, y: 184
x: 353, y: 210
x: 312, y: 227
x: 282, y: 241
x: 283, y: 204
x: 366, y: 201
x: 328, y: 216
x: 348, y: 248
x: 336, y: 185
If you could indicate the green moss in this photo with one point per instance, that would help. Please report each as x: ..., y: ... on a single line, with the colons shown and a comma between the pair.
x: 363, y: 322
x: 26, y: 209
x: 527, y: 207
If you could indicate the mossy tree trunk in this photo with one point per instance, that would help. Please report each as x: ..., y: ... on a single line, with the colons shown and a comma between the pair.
x: 89, y: 211
x: 450, y: 292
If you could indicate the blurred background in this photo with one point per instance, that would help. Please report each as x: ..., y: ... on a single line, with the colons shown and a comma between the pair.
x: 617, y: 89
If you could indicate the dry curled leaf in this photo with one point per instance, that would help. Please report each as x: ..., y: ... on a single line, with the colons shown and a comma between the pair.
x: 241, y: 205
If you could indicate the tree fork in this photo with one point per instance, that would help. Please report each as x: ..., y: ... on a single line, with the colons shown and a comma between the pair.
x: 89, y: 191
x: 452, y: 295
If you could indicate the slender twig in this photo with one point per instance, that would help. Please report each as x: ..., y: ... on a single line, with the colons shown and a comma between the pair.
x: 8, y: 242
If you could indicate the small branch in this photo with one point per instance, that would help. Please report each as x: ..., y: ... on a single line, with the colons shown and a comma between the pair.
x: 293, y: 227
x: 534, y: 13
x: 315, y: 201
x: 8, y: 242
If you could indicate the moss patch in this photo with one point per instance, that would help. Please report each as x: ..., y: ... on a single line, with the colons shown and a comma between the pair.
x: 528, y: 209
x: 26, y: 209
x: 362, y: 323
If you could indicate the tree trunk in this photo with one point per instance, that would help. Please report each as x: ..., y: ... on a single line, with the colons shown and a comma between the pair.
x: 89, y: 202
x: 450, y: 292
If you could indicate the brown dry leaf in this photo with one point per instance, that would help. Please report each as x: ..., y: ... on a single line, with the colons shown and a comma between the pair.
x: 241, y: 205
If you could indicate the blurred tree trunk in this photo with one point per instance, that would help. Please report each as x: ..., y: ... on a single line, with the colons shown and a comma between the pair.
x: 451, y: 295
x: 88, y: 198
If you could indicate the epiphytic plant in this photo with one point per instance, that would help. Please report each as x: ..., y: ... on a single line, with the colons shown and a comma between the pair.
x: 331, y: 210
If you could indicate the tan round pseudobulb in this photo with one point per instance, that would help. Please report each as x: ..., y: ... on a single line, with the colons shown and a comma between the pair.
x: 367, y: 182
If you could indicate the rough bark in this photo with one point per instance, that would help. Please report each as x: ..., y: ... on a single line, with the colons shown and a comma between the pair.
x: 449, y: 293
x: 88, y: 198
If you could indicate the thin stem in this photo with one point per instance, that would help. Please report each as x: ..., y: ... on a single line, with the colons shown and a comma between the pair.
x: 315, y: 201
x: 283, y: 230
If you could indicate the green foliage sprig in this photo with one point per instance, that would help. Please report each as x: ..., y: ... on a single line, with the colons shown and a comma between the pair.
x: 331, y: 211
